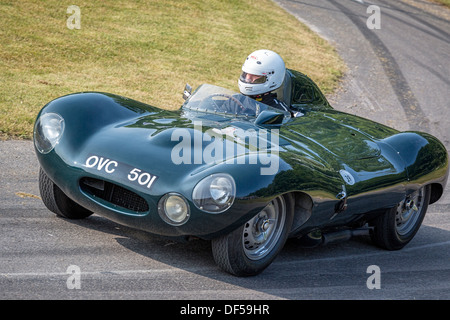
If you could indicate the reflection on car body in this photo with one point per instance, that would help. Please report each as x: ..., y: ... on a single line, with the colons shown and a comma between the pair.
x: 198, y: 171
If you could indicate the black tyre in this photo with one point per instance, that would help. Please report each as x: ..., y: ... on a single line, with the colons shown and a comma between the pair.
x: 398, y: 226
x: 250, y: 249
x: 57, y: 202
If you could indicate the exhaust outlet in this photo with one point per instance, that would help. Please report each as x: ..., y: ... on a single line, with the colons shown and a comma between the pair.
x: 343, y: 235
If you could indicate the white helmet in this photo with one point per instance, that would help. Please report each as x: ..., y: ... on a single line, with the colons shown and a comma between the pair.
x: 263, y: 71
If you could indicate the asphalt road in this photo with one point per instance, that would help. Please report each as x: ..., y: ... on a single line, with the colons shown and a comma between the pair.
x: 398, y: 75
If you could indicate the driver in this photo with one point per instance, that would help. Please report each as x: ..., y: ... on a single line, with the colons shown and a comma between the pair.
x: 262, y: 72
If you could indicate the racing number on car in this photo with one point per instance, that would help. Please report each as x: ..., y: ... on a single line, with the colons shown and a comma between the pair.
x: 143, y: 178
x: 109, y: 166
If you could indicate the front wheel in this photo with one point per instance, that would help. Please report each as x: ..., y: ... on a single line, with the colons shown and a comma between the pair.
x: 56, y: 201
x: 394, y: 229
x: 250, y: 249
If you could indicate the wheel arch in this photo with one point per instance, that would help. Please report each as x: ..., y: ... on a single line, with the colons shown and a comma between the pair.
x: 302, y: 205
x: 436, y: 192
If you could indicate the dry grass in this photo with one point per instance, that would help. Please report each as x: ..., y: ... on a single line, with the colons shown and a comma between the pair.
x: 145, y: 50
x: 443, y: 2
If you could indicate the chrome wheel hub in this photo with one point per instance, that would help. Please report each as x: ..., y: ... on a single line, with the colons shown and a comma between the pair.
x: 408, y: 212
x: 261, y: 233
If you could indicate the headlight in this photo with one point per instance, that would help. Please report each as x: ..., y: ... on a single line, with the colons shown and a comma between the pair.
x: 215, y: 193
x: 47, y: 132
x: 173, y: 209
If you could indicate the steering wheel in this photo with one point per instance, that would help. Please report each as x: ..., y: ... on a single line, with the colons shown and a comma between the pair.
x: 229, y: 96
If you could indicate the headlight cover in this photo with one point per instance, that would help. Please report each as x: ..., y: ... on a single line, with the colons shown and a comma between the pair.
x: 215, y: 193
x: 173, y: 209
x: 48, y: 131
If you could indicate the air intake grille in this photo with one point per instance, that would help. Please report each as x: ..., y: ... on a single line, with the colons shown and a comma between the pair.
x: 114, y: 194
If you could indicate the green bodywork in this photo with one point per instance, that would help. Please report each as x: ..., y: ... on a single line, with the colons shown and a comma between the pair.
x: 342, y: 169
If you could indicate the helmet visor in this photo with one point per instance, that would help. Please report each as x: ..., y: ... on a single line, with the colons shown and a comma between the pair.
x: 252, y: 78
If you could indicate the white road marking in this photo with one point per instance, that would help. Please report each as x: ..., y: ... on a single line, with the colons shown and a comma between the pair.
x: 174, y: 270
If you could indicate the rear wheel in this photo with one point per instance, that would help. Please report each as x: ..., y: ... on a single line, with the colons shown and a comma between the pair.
x: 251, y: 248
x: 57, y: 202
x: 394, y: 229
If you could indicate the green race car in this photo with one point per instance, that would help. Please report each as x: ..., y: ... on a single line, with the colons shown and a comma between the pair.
x: 232, y: 170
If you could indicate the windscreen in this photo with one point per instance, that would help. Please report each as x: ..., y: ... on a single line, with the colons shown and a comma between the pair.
x: 214, y: 99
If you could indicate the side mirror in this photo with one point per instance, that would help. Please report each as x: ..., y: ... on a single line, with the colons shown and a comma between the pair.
x: 187, y: 91
x: 269, y: 118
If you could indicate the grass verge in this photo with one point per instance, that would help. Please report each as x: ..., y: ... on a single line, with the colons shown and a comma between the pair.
x: 144, y: 50
x: 443, y: 2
